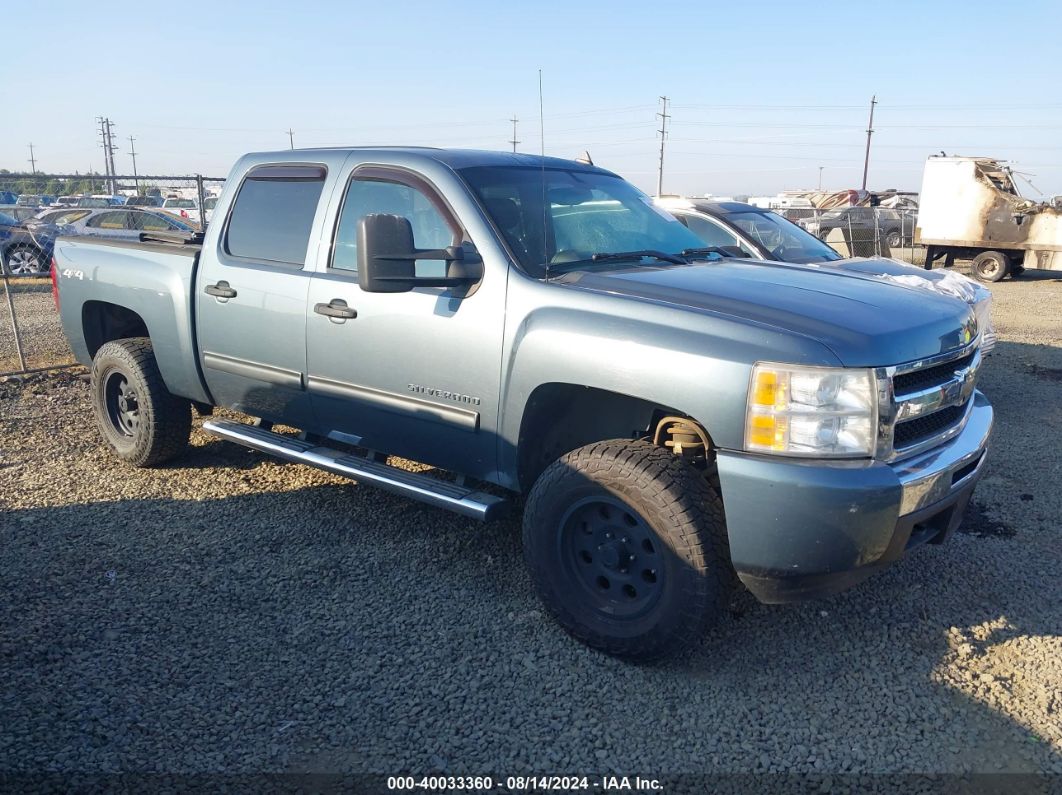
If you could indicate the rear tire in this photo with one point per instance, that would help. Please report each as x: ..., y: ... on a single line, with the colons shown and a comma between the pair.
x: 627, y: 547
x: 990, y: 266
x: 139, y: 419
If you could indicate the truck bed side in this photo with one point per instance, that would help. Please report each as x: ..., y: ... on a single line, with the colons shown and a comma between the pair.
x: 110, y: 289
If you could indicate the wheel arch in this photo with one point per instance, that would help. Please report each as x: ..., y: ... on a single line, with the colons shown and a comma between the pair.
x: 560, y: 417
x: 103, y: 322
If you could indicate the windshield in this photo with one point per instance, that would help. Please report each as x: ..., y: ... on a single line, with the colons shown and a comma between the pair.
x: 784, y: 240
x: 586, y: 213
x: 184, y: 204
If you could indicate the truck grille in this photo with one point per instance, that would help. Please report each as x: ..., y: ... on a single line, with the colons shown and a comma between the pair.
x: 928, y: 401
x: 915, y: 380
x: 918, y: 430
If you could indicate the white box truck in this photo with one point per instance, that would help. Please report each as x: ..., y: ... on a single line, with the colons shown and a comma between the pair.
x: 970, y: 208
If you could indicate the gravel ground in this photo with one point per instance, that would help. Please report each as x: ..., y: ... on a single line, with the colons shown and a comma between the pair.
x: 233, y: 613
x: 43, y: 343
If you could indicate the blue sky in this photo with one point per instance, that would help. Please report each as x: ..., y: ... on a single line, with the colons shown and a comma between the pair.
x: 762, y: 93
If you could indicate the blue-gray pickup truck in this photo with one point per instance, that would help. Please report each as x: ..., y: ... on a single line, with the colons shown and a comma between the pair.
x: 672, y: 422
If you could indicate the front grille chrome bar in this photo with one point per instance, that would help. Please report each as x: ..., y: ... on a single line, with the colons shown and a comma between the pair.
x: 954, y: 391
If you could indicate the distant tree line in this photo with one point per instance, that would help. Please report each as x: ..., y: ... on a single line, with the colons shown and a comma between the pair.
x: 44, y: 185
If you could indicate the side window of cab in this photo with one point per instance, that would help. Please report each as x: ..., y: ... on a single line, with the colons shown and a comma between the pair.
x: 371, y: 193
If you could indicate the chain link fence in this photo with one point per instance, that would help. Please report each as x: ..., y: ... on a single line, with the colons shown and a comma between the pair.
x: 862, y: 231
x: 36, y: 208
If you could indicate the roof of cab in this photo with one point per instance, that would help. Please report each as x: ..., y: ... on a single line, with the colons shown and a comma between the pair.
x: 454, y: 158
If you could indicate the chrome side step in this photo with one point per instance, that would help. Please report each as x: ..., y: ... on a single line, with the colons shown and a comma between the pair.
x: 432, y: 491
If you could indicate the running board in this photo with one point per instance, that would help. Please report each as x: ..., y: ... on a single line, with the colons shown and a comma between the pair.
x: 440, y: 493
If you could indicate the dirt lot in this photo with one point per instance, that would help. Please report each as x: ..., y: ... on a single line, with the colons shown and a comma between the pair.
x: 232, y: 613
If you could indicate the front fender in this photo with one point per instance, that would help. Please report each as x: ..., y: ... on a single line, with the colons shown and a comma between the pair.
x: 694, y: 362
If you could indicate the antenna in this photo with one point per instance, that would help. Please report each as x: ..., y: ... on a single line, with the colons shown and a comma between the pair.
x: 514, y: 142
x: 663, y: 137
x: 542, y: 140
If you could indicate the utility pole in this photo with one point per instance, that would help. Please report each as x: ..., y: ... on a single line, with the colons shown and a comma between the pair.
x: 132, y: 154
x: 33, y: 161
x: 103, y: 138
x: 107, y: 134
x: 514, y: 142
x: 820, y: 176
x: 870, y: 132
x: 664, y: 116
x: 291, y: 137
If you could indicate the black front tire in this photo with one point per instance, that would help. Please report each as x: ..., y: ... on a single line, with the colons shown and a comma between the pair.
x: 893, y: 239
x: 627, y: 547
x: 139, y: 419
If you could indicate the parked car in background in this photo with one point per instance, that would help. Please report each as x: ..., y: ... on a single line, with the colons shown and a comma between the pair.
x: 893, y: 226
x: 100, y: 201
x: 24, y: 252
x: 34, y: 200
x: 741, y: 230
x: 127, y: 222
x: 66, y: 201
x: 144, y: 201
x: 208, y: 207
x: 7, y: 197
x: 21, y: 213
x: 185, y: 208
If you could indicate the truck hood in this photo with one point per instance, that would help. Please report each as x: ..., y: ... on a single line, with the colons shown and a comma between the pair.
x: 865, y: 322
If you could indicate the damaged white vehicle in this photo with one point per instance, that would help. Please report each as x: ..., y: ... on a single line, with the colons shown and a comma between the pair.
x: 734, y: 229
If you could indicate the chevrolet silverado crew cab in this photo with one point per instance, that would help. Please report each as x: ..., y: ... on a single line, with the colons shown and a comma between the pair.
x: 533, y: 326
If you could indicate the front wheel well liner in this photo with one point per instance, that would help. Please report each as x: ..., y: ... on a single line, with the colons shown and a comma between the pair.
x: 561, y: 417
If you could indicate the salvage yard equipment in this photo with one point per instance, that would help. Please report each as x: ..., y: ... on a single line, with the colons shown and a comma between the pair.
x: 970, y: 208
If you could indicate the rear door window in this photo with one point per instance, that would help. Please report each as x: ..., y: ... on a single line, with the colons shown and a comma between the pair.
x: 114, y: 220
x: 273, y: 214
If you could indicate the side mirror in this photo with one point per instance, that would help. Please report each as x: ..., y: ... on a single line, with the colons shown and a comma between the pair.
x: 387, y: 258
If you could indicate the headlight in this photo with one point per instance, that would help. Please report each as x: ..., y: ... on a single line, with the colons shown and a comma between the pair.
x: 811, y: 411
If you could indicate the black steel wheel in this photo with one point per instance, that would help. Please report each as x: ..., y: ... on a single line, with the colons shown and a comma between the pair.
x: 893, y: 239
x: 611, y: 550
x: 627, y: 547
x: 139, y: 419
x: 123, y: 410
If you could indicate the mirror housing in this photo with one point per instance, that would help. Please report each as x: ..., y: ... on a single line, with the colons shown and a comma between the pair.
x: 387, y: 258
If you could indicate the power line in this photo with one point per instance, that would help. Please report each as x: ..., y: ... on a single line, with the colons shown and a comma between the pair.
x: 664, y: 116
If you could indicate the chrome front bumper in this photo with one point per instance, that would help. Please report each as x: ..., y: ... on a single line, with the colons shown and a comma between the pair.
x: 930, y: 477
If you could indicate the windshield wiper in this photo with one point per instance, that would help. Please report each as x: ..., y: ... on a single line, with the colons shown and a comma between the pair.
x: 702, y: 252
x: 663, y: 256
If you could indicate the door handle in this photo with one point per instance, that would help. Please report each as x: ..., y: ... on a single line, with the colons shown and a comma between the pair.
x: 336, y: 308
x: 220, y: 290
